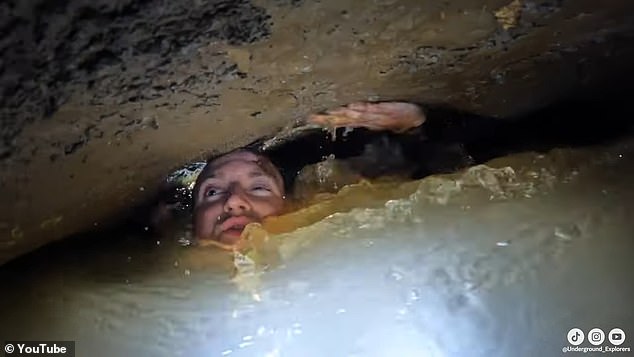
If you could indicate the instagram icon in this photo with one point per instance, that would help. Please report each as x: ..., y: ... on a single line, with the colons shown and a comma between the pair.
x: 596, y: 336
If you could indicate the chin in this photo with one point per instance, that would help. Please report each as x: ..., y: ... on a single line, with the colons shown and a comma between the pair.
x: 229, y: 239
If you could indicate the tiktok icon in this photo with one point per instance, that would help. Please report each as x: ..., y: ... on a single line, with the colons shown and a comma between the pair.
x: 575, y: 336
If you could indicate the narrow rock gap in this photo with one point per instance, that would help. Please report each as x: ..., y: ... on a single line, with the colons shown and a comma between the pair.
x: 451, y: 140
x: 447, y: 142
x: 446, y: 139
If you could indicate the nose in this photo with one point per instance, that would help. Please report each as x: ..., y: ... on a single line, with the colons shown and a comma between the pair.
x: 237, y: 203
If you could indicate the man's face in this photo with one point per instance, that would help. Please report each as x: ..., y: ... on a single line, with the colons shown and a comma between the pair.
x: 233, y: 191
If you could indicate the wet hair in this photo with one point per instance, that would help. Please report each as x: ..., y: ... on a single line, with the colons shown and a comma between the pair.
x: 263, y: 162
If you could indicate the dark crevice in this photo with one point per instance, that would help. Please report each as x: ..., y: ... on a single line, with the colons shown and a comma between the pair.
x: 452, y: 140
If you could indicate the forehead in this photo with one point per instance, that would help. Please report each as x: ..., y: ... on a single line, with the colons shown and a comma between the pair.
x: 236, y: 168
x: 244, y: 156
x: 241, y: 163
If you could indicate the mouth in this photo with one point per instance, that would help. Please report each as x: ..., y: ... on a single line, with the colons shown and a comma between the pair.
x: 233, y: 226
x: 234, y: 231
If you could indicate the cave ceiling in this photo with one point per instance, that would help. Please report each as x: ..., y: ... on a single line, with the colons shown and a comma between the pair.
x: 102, y: 98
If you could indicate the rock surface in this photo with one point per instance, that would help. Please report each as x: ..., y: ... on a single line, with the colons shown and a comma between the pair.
x: 101, y: 99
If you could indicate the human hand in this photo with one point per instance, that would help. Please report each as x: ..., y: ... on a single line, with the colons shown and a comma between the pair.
x: 397, y: 117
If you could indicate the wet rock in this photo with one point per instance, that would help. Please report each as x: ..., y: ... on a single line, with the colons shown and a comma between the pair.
x: 327, y: 176
x: 508, y: 15
x: 52, y: 51
x: 89, y: 87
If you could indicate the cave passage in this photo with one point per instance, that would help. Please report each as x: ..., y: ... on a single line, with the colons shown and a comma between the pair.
x: 524, y: 205
x: 447, y: 142
x: 499, y: 227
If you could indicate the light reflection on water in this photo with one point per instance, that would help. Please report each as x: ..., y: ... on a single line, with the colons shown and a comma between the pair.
x: 494, y: 261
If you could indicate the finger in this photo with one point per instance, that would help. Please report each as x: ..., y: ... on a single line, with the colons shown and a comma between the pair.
x: 320, y: 119
x: 345, y: 112
x: 393, y: 123
x: 338, y: 111
x: 388, y: 108
x: 375, y: 118
x: 406, y: 109
x: 326, y: 119
x: 336, y: 121
x: 382, y: 107
x: 361, y: 106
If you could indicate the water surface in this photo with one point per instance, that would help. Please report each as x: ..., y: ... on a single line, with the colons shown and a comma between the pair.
x: 500, y: 259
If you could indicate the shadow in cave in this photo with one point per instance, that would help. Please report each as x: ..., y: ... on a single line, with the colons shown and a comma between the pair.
x: 112, y: 253
x: 450, y: 140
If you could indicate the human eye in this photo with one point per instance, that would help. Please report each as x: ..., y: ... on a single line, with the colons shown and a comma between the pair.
x: 212, y: 192
x: 260, y: 189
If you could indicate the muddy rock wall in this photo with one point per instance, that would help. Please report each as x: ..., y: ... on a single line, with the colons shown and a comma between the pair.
x: 100, y: 99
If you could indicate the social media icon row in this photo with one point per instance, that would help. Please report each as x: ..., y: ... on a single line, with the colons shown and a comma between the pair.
x: 596, y: 336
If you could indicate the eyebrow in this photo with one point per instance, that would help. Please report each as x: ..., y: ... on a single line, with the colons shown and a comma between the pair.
x: 257, y: 173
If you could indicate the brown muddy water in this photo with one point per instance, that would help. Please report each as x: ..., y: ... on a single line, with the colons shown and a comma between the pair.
x: 501, y: 259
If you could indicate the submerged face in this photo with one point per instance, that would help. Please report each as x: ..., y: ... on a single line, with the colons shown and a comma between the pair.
x: 233, y: 191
